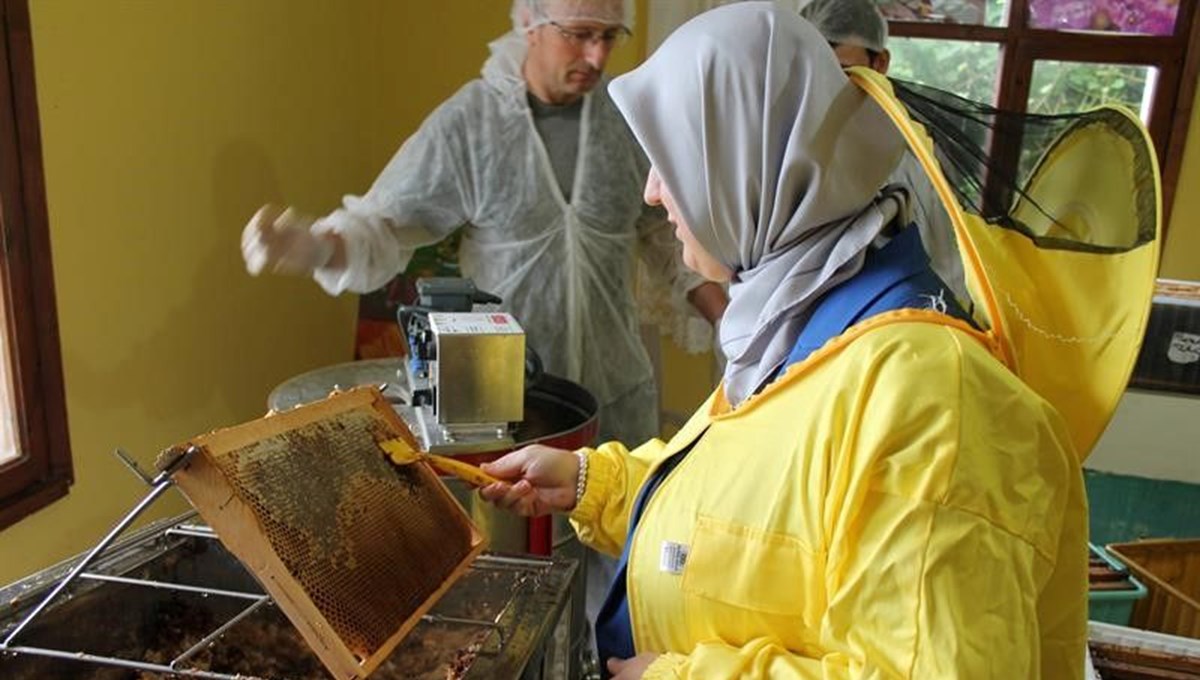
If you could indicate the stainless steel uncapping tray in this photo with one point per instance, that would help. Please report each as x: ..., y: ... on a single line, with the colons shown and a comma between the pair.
x: 169, y: 599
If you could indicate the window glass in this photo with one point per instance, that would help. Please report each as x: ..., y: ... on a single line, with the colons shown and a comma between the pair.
x: 968, y: 69
x: 986, y: 12
x: 9, y: 449
x: 1150, y: 17
x: 1066, y: 86
x: 1069, y: 86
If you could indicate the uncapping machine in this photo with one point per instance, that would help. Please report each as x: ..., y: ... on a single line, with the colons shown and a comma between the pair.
x: 466, y: 368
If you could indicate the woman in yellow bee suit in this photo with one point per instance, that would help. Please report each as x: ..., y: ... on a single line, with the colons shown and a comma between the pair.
x: 874, y: 491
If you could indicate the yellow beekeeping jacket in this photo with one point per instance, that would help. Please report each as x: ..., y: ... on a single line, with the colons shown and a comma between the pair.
x: 897, y: 505
x: 907, y: 502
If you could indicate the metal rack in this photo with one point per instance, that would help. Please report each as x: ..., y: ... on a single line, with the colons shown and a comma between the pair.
x: 108, y: 562
x: 159, y: 484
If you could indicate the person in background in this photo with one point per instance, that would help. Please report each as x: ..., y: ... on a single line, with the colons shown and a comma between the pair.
x: 858, y: 32
x: 536, y: 162
x: 871, y: 492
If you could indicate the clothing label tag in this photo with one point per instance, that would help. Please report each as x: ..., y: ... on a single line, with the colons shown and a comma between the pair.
x: 672, y: 557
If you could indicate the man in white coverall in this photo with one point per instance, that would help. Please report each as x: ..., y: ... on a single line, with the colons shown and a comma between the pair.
x: 537, y: 164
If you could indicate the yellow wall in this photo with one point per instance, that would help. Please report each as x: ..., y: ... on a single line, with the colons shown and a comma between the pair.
x: 1181, y: 254
x: 164, y: 126
x: 421, y: 53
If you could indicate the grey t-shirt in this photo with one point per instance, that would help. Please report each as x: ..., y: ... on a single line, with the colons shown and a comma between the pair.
x: 558, y: 126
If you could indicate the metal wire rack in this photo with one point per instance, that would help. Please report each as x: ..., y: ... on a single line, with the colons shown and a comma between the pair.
x: 530, y: 596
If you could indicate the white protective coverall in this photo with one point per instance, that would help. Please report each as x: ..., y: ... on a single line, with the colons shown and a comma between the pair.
x: 565, y: 270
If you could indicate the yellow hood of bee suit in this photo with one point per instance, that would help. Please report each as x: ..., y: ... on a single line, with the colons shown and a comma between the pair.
x: 1066, y: 304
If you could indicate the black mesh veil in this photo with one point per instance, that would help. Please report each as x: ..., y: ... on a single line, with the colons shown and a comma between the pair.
x: 994, y: 160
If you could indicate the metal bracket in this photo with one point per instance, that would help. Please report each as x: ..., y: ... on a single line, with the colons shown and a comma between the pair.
x: 159, y: 485
x: 133, y: 466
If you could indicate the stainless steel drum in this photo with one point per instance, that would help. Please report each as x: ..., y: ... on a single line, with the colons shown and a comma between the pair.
x: 558, y: 413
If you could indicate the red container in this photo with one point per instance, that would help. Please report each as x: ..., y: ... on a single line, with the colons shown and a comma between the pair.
x: 558, y: 413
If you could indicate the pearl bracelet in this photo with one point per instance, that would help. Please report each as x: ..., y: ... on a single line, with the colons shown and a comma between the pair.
x: 581, y: 481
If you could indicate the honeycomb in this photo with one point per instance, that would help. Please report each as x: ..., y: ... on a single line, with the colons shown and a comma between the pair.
x: 368, y: 542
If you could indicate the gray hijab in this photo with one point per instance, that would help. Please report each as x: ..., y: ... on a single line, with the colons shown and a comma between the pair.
x: 777, y: 163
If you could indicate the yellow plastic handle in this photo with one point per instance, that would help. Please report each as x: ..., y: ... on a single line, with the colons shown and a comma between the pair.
x: 464, y: 471
x: 402, y: 453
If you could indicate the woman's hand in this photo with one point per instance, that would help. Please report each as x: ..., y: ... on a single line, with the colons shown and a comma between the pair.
x: 630, y: 669
x: 537, y: 480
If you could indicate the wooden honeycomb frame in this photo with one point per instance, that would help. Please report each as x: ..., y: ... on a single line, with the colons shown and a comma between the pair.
x: 353, y: 549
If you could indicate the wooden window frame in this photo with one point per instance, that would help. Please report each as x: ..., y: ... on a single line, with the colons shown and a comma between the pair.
x: 42, y: 470
x: 1177, y: 58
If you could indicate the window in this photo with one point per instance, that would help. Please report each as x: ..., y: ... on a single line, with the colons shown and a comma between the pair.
x: 1051, y: 56
x: 965, y: 67
x: 35, y: 461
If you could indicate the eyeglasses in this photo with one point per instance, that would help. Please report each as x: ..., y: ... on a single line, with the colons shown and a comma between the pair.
x: 579, y: 37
